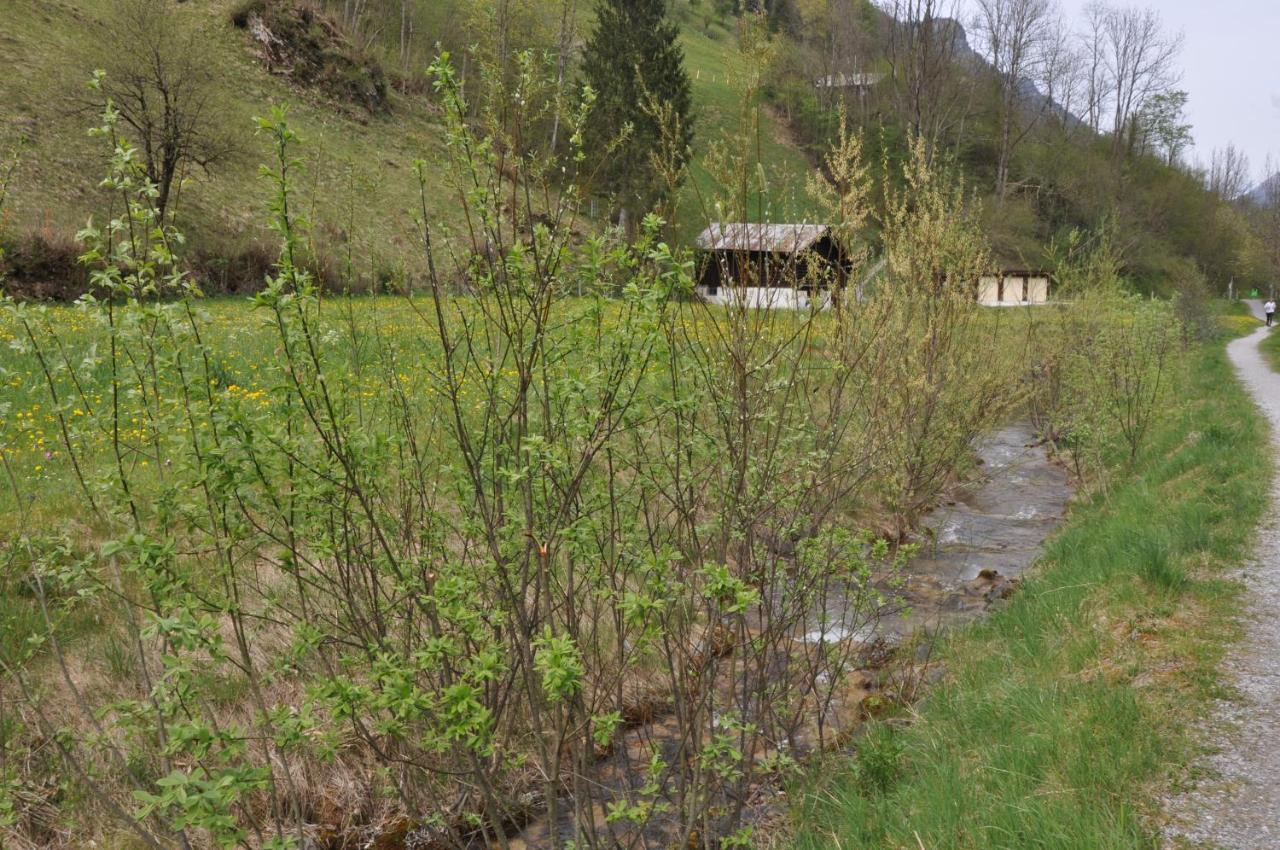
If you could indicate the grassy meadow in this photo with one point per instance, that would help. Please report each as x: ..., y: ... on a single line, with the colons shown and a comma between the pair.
x: 360, y: 332
x: 245, y: 347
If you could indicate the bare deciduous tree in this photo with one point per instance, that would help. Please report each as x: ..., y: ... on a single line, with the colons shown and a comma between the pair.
x: 1139, y: 58
x: 1097, y: 76
x: 1063, y: 75
x: 1014, y: 34
x: 1267, y: 216
x: 160, y: 78
x: 353, y: 12
x: 932, y: 95
x: 1228, y: 172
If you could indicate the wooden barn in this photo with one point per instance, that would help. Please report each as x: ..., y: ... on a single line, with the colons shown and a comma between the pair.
x: 770, y: 265
x: 1012, y: 288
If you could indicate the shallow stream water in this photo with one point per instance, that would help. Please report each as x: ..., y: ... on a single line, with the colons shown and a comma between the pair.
x: 974, y: 547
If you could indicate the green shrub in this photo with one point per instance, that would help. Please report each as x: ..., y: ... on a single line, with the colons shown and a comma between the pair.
x: 879, y: 760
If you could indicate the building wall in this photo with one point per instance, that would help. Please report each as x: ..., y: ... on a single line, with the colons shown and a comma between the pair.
x: 783, y: 298
x: 1017, y: 290
x: 1038, y: 290
x: 1014, y: 287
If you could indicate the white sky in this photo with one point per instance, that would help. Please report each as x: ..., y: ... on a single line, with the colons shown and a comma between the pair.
x: 1231, y: 70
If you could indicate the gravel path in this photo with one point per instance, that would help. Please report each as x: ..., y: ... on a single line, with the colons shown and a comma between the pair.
x: 1238, y: 805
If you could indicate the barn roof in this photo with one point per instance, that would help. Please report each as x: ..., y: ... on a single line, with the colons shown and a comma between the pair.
x: 766, y: 238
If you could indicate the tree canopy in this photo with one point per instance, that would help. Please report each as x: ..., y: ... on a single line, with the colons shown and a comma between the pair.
x: 644, y: 98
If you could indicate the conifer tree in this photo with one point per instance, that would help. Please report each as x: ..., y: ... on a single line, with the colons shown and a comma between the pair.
x: 636, y: 67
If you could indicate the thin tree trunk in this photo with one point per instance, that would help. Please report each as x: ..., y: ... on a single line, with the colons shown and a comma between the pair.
x: 567, y: 17
x: 406, y: 33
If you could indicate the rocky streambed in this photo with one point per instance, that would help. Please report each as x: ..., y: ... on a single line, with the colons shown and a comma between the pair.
x: 976, y: 547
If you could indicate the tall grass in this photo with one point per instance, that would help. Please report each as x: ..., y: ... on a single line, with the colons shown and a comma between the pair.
x: 1063, y: 713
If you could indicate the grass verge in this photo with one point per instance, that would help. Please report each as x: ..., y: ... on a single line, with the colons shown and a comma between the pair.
x: 1064, y: 714
x: 1271, y: 349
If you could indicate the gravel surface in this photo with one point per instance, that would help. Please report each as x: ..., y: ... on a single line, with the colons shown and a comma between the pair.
x: 1237, y: 805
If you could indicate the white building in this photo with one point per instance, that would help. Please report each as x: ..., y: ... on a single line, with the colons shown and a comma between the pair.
x: 858, y: 82
x: 1013, y: 288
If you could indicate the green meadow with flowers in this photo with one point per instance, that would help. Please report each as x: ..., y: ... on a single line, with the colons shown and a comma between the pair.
x: 42, y: 482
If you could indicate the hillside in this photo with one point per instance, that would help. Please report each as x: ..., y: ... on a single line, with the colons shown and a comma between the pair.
x: 1065, y: 178
x: 359, y: 191
x: 1047, y: 170
x: 1265, y: 192
x: 358, y: 163
x: 721, y: 77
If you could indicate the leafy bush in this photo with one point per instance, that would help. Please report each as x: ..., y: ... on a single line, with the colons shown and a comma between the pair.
x: 585, y: 546
x: 1099, y: 371
x: 879, y: 761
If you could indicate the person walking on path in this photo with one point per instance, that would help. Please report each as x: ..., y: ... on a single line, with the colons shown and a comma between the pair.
x: 1270, y: 309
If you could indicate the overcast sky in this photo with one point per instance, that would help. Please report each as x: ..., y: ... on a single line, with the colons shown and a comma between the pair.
x: 1231, y: 70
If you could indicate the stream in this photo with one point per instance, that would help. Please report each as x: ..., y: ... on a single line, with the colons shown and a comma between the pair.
x: 987, y: 537
x: 973, y: 550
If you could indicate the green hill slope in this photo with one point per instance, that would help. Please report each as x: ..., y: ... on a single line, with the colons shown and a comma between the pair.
x: 358, y: 164
x: 721, y: 81
x: 359, y: 189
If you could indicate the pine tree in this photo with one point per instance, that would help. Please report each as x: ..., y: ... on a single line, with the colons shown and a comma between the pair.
x: 636, y: 67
